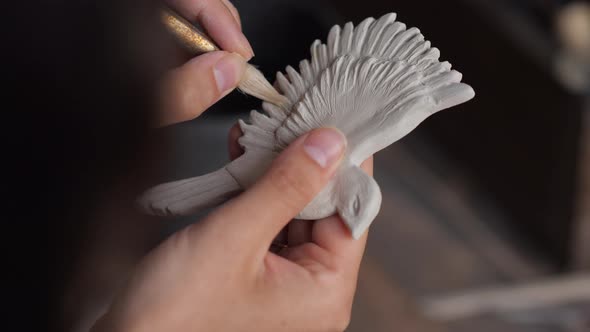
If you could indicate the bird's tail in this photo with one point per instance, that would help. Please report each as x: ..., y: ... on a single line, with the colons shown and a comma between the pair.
x: 187, y: 197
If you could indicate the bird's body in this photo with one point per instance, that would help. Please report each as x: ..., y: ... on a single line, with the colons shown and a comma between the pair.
x: 375, y: 83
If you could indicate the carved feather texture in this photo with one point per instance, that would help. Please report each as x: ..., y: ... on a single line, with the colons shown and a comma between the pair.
x: 376, y: 83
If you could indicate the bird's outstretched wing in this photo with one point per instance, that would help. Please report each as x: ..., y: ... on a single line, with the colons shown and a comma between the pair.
x: 374, y: 102
x: 384, y: 39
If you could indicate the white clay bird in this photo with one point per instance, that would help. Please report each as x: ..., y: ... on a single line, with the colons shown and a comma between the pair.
x: 375, y: 83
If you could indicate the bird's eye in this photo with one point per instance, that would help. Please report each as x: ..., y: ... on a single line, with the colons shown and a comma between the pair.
x: 356, y: 206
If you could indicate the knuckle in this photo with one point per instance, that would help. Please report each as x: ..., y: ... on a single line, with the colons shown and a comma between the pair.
x: 291, y: 184
x: 198, y: 100
x: 181, y: 241
x: 179, y: 95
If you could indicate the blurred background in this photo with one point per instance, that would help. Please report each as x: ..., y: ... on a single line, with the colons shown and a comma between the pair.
x: 485, y: 222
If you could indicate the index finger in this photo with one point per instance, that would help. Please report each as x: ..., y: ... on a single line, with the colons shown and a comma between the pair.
x: 219, y: 21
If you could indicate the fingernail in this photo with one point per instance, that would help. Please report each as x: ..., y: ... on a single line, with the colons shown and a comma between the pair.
x: 251, y: 52
x: 228, y: 71
x: 325, y: 146
x: 232, y: 9
x: 248, y: 49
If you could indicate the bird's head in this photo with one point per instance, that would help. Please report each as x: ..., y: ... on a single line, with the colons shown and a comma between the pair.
x: 359, y: 200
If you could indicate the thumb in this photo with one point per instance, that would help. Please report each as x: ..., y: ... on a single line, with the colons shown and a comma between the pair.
x: 189, y: 90
x: 293, y: 180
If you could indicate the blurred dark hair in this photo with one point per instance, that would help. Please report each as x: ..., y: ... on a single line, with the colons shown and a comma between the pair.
x: 81, y: 78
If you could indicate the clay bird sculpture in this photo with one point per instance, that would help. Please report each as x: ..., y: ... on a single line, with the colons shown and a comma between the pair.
x: 375, y: 82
